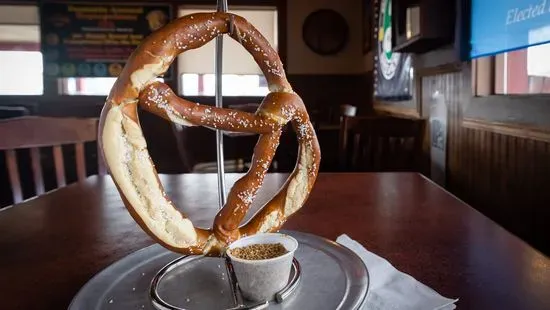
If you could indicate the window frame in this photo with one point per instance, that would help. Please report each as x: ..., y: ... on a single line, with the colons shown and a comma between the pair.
x: 520, y: 115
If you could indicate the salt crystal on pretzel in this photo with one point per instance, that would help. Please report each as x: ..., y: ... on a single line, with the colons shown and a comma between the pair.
x: 125, y: 149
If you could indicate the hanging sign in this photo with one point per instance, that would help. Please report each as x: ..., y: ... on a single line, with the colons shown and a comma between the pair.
x: 438, y: 138
x: 506, y: 25
x: 392, y: 71
x: 95, y: 39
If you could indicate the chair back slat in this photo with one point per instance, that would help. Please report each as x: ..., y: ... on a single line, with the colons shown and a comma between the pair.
x: 59, y: 166
x: 80, y: 161
x: 13, y: 173
x: 37, y: 171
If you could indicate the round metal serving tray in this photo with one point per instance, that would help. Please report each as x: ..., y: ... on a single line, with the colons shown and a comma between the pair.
x: 332, y: 277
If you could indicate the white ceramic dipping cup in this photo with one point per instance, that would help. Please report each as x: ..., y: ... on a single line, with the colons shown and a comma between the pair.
x: 260, y: 280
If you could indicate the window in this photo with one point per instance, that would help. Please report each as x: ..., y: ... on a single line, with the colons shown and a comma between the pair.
x: 524, y: 71
x: 18, y: 66
x: 87, y: 86
x: 233, y: 84
x: 20, y: 60
x: 520, y: 72
x: 94, y: 86
x: 510, y: 47
x: 241, y: 75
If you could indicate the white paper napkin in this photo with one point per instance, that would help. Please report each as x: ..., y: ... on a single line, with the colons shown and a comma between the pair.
x: 392, y: 289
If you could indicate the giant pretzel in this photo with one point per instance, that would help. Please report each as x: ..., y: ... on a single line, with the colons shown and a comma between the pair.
x: 125, y: 150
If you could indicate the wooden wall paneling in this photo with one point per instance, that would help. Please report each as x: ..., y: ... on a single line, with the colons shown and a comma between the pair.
x: 500, y: 172
x: 469, y: 152
x: 477, y: 174
x: 533, y: 167
x: 529, y: 189
x: 512, y: 167
x: 421, y: 92
x: 503, y: 147
x: 498, y: 167
x: 472, y: 166
x: 503, y: 176
x: 490, y: 158
x: 489, y: 163
x: 453, y: 140
x: 482, y: 166
x: 541, y: 212
x: 494, y: 173
x: 542, y: 193
x: 461, y: 172
x: 452, y: 96
x: 521, y: 212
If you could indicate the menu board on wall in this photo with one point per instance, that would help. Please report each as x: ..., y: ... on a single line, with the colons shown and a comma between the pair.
x: 392, y: 71
x: 95, y: 39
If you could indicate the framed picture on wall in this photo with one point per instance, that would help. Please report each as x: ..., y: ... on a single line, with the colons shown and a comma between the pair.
x: 367, y: 9
x: 393, y: 75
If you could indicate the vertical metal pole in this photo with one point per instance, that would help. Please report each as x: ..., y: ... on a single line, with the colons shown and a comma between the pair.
x: 222, y: 7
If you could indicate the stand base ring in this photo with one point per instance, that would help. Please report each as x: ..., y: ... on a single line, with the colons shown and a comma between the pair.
x: 160, y: 304
x: 332, y: 277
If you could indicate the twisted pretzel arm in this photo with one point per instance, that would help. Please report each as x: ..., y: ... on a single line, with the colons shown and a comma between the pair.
x: 243, y: 192
x: 296, y: 189
x: 159, y: 99
x: 125, y: 149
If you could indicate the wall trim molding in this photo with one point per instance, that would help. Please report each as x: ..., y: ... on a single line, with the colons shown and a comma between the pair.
x: 396, y: 110
x: 515, y: 130
x: 440, y: 70
x: 531, y: 111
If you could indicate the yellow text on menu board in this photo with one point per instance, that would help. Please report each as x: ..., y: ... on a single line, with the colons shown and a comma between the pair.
x: 105, y: 12
x: 104, y: 39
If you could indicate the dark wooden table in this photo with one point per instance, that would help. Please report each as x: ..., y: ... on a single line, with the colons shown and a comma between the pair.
x: 52, y: 245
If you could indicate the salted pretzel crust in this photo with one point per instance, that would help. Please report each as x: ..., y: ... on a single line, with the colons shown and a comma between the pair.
x: 125, y: 149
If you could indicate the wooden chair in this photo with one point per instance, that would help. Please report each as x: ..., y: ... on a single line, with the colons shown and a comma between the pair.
x: 32, y: 132
x: 380, y: 143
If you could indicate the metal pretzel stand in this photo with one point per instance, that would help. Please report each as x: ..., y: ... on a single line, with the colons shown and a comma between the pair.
x: 324, y: 275
x: 156, y: 297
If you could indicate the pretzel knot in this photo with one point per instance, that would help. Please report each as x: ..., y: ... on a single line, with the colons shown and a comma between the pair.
x: 125, y: 149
